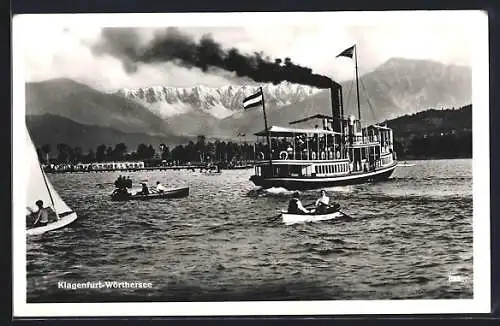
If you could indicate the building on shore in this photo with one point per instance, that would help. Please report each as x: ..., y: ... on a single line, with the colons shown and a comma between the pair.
x: 96, y: 166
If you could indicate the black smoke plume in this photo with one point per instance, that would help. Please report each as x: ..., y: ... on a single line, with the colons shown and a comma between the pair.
x: 172, y: 45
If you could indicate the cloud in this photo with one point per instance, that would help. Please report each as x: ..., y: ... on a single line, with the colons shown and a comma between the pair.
x: 446, y: 43
x: 54, y: 51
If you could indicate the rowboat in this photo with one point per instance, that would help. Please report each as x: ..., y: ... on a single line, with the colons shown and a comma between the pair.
x: 40, y: 188
x: 304, y: 218
x: 169, y: 193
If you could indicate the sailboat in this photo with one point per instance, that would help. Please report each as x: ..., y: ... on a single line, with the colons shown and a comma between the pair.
x: 40, y: 188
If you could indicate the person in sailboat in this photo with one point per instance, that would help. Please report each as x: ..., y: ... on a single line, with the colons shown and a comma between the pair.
x: 295, y: 205
x: 44, y: 215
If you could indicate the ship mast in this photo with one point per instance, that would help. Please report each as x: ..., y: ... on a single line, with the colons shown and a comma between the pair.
x: 349, y: 53
x: 357, y: 80
x: 267, y: 130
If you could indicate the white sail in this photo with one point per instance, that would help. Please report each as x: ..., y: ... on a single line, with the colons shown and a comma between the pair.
x: 39, y: 186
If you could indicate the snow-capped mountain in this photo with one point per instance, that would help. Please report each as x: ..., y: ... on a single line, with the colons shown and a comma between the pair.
x: 398, y: 87
x: 220, y: 102
x: 416, y: 85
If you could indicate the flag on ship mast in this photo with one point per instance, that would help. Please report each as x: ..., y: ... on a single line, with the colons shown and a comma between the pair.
x: 347, y: 52
x: 257, y: 99
x: 253, y: 100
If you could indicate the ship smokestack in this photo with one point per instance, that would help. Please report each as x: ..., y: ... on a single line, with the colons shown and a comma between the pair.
x: 351, y: 128
x: 336, y: 101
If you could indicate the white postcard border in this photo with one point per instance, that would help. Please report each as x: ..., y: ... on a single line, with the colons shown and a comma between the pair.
x: 481, y: 179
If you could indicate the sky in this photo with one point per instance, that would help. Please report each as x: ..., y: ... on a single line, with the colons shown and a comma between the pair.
x: 63, y: 48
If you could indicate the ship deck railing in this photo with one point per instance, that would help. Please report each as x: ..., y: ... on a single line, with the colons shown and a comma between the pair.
x: 295, y: 158
x: 299, y: 156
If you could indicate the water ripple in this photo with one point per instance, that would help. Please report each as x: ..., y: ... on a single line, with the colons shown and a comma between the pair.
x: 226, y: 241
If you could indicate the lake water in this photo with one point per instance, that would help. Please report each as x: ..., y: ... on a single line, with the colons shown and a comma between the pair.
x: 224, y: 242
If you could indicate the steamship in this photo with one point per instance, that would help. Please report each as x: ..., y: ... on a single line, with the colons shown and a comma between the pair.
x: 335, y: 151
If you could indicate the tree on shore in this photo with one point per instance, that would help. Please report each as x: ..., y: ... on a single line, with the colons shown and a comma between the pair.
x: 427, y: 134
x: 165, y: 152
x: 100, y: 155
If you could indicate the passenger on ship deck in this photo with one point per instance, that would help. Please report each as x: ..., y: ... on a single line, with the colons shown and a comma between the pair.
x: 283, y: 144
x: 322, y: 203
x: 295, y: 206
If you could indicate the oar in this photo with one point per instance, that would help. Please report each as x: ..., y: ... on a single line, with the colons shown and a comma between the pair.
x: 104, y: 183
x: 346, y: 215
x: 308, y: 205
x: 275, y: 217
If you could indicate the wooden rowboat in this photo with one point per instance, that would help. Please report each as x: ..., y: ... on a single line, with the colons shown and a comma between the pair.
x: 303, y: 218
x: 167, y: 194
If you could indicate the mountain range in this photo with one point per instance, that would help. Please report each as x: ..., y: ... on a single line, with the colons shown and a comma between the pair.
x: 433, y: 134
x: 398, y: 87
x: 219, y: 102
x: 85, y: 105
x: 87, y: 137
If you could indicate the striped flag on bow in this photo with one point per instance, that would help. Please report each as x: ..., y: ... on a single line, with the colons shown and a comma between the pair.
x: 253, y: 100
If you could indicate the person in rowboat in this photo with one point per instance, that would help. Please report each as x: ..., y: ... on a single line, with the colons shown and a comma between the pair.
x: 144, y: 190
x: 295, y: 206
x: 159, y: 187
x: 121, y: 192
x: 118, y: 182
x: 322, y: 203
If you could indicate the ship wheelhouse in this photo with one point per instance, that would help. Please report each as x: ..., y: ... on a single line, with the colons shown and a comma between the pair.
x: 305, y: 152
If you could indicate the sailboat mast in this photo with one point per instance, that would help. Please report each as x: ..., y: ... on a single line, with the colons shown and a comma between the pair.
x: 43, y: 175
x: 47, y: 186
